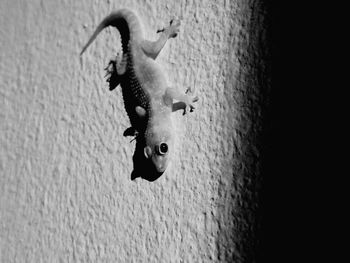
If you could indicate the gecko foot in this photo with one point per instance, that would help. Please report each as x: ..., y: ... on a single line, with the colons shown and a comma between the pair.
x: 186, y: 104
x: 131, y: 131
x: 189, y: 104
x: 190, y: 100
x: 112, y: 74
x: 173, y: 29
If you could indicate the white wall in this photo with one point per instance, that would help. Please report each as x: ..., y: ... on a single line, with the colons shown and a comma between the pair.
x: 65, y: 188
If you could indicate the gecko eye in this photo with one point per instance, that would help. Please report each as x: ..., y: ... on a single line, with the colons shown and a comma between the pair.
x: 163, y: 148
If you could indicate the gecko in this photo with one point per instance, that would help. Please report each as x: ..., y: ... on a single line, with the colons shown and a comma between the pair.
x: 148, y: 99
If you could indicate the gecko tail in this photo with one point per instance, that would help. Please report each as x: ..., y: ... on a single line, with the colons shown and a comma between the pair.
x: 92, y: 38
x: 105, y: 23
x: 124, y: 20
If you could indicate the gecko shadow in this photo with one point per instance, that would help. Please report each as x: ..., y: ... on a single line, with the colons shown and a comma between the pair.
x: 143, y: 167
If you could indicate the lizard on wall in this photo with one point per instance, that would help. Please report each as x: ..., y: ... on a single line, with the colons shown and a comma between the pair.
x: 148, y: 99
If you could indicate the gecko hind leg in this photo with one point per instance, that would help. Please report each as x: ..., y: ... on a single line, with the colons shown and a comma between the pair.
x: 115, y: 70
x: 113, y: 77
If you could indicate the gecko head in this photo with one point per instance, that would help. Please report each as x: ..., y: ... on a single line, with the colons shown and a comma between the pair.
x: 158, y: 148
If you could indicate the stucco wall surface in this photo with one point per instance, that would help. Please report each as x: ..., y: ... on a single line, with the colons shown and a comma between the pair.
x: 65, y: 188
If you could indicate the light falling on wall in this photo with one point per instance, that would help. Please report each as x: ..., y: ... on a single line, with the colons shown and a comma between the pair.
x: 65, y: 188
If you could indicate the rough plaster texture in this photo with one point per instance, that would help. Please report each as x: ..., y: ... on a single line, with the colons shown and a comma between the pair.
x: 65, y: 188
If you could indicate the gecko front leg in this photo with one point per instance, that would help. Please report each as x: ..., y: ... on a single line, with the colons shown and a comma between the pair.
x: 153, y: 48
x: 184, y: 101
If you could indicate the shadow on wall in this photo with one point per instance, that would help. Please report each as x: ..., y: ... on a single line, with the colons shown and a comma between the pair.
x: 241, y: 233
x: 143, y: 167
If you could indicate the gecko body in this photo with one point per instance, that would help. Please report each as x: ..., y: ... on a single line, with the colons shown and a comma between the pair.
x: 148, y: 99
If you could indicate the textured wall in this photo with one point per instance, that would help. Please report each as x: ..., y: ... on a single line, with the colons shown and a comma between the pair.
x: 65, y: 188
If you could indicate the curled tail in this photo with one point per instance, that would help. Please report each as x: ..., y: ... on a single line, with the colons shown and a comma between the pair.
x: 125, y: 21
